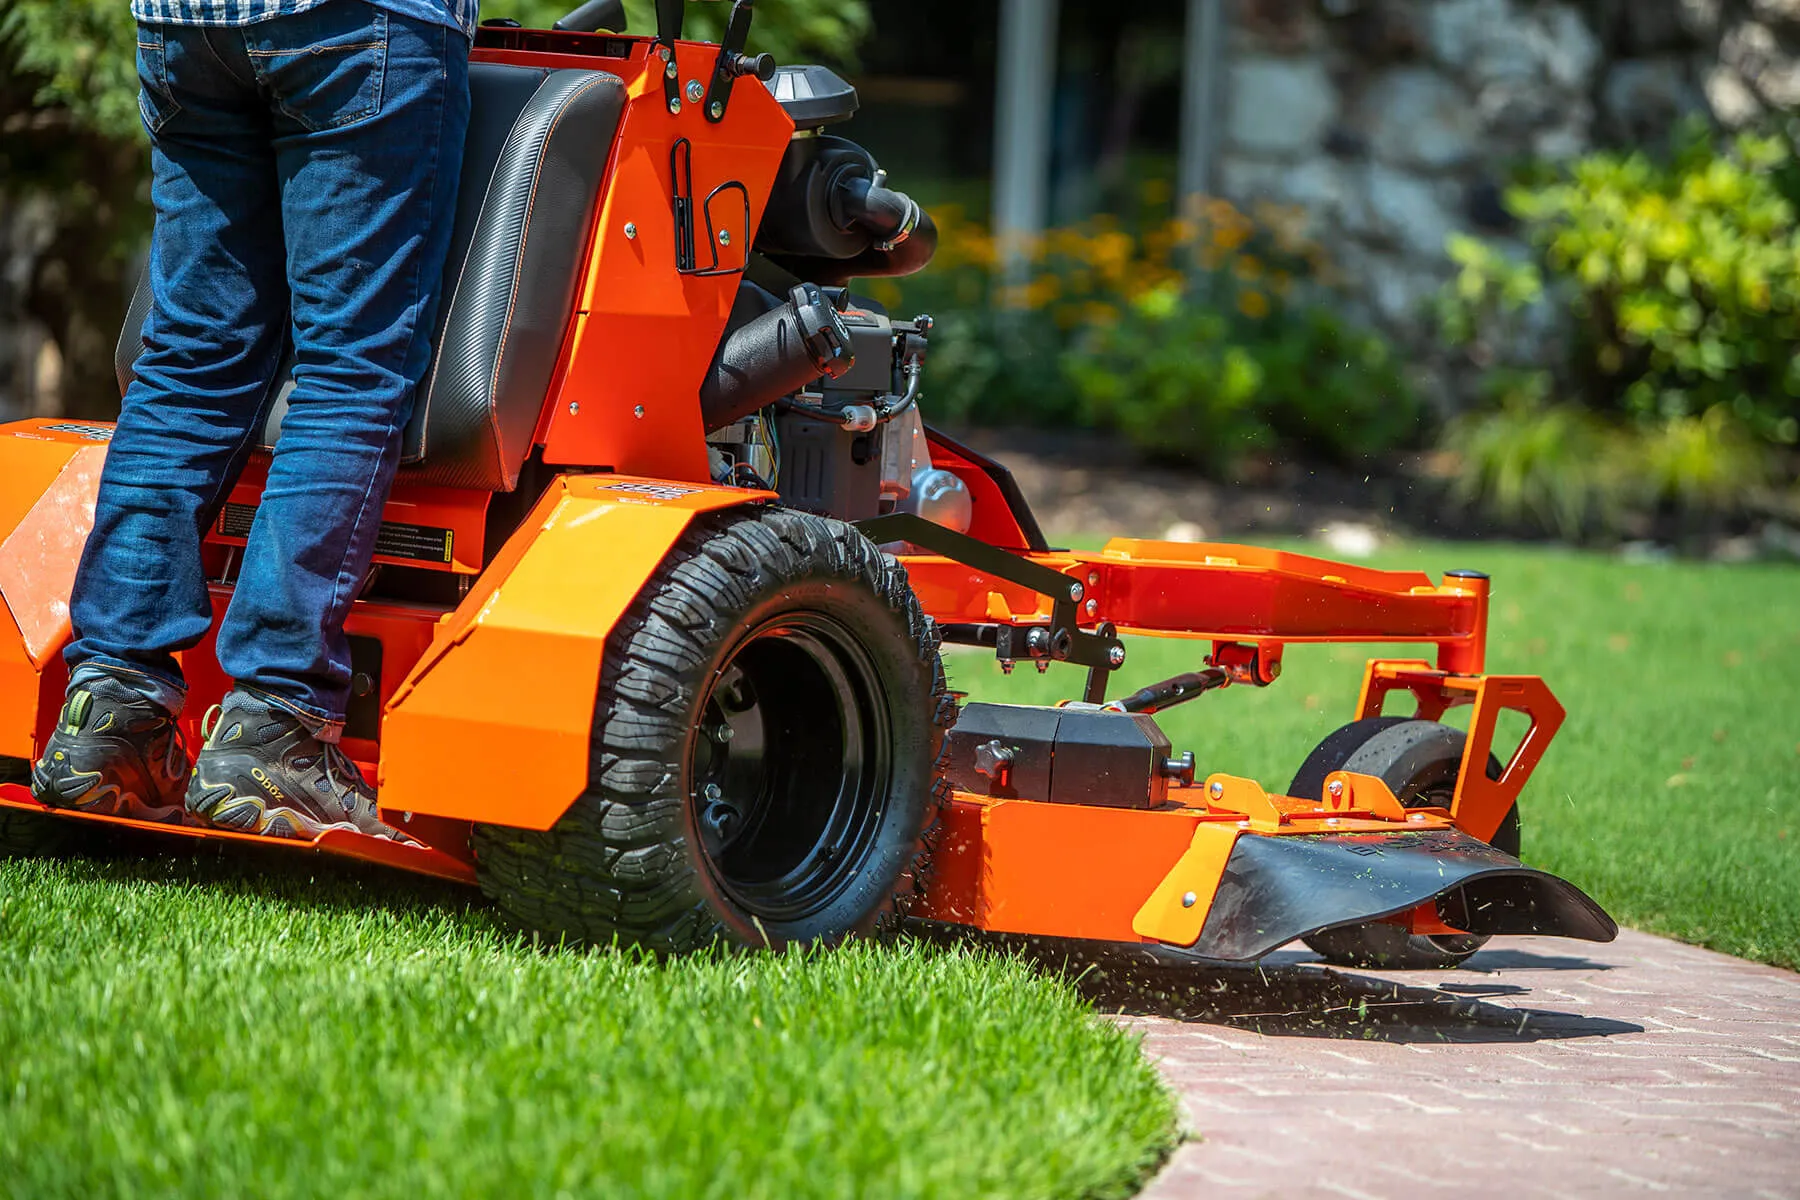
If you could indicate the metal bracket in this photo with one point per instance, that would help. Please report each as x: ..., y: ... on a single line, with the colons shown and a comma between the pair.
x: 1062, y: 640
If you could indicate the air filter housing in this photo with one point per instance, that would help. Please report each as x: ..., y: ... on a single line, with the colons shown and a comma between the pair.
x: 813, y: 95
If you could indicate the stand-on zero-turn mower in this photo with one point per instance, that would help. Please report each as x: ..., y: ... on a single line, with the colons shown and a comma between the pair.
x: 639, y: 535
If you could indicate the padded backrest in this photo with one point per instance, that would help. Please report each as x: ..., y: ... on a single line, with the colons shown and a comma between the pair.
x: 536, y: 154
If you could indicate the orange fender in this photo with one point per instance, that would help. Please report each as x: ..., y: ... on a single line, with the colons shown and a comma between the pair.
x: 493, y: 723
x: 51, y: 471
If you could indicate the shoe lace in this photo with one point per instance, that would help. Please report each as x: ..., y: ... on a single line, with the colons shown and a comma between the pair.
x: 347, y: 788
x: 210, y: 722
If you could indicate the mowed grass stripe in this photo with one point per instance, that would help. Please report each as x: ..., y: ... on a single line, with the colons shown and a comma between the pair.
x: 1672, y: 793
x: 255, y: 1024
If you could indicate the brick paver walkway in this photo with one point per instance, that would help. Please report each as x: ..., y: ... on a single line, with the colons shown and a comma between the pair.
x: 1542, y: 1068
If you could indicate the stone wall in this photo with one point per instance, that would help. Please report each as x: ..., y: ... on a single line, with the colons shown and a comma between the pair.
x: 1394, y: 123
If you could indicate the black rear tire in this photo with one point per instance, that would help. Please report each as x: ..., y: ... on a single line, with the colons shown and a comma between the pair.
x: 1419, y: 761
x: 29, y: 834
x: 765, y: 751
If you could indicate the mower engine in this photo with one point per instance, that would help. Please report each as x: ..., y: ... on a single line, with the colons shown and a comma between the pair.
x: 814, y: 391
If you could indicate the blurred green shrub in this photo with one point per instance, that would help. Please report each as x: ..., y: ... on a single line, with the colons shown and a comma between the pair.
x: 1680, y: 385
x: 1107, y: 327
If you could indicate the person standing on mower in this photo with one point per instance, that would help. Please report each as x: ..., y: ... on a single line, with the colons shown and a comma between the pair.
x: 305, y: 158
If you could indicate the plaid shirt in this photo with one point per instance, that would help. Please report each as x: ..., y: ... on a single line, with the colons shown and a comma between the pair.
x: 458, y: 14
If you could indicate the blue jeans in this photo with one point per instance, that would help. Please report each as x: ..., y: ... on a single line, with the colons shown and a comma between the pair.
x: 305, y: 178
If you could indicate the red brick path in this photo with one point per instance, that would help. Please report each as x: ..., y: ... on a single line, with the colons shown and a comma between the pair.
x: 1542, y: 1068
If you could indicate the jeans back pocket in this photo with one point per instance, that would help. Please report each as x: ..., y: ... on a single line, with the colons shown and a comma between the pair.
x: 156, y: 103
x: 325, y: 67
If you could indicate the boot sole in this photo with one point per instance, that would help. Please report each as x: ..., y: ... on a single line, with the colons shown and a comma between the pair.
x: 224, y: 807
x: 87, y: 791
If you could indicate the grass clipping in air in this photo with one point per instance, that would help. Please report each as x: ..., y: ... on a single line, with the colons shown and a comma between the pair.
x: 211, y: 1026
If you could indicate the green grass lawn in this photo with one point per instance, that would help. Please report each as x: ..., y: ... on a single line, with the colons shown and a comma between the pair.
x: 1672, y: 793
x: 263, y: 1024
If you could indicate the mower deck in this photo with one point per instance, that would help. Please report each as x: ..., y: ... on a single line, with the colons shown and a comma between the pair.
x: 343, y: 843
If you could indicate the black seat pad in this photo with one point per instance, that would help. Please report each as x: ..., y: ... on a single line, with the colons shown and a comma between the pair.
x: 536, y: 155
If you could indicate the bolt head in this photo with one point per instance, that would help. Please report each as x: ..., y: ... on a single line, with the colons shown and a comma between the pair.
x: 1415, y: 816
x: 1336, y: 789
x: 1216, y: 790
x: 1116, y: 656
x: 674, y: 105
x: 717, y: 109
x: 711, y: 793
x: 631, y: 229
x: 1093, y: 579
x: 1188, y: 899
x: 574, y: 407
x: 695, y: 91
x: 1093, y: 606
x: 1076, y: 591
x: 724, y: 237
x: 638, y: 411
x: 1331, y: 820
x: 406, y: 818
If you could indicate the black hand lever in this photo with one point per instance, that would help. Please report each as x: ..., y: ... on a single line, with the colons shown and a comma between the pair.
x: 594, y: 16
x: 668, y: 31
x: 733, y: 62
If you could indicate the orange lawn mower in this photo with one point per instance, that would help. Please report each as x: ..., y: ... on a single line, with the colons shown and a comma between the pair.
x: 670, y: 518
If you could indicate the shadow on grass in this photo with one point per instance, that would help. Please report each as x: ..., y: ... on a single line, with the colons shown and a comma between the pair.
x: 1294, y: 995
x: 295, y: 877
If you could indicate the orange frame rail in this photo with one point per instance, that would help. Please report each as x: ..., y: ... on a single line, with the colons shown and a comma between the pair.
x: 1226, y: 593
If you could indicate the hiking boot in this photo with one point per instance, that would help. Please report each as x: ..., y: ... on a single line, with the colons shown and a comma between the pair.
x: 115, y: 752
x: 263, y: 770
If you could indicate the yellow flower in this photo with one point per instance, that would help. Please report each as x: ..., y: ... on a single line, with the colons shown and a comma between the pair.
x: 1248, y: 268
x: 1043, y: 291
x: 1253, y: 304
x: 1230, y: 237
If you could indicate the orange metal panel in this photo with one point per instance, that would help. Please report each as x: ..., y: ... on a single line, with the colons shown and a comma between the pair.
x: 46, y: 510
x: 38, y: 558
x: 647, y: 333
x: 1176, y: 911
x: 493, y: 724
x: 1057, y: 869
x: 21, y: 691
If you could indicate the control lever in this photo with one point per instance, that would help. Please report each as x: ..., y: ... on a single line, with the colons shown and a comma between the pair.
x: 733, y: 62
x: 594, y: 16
